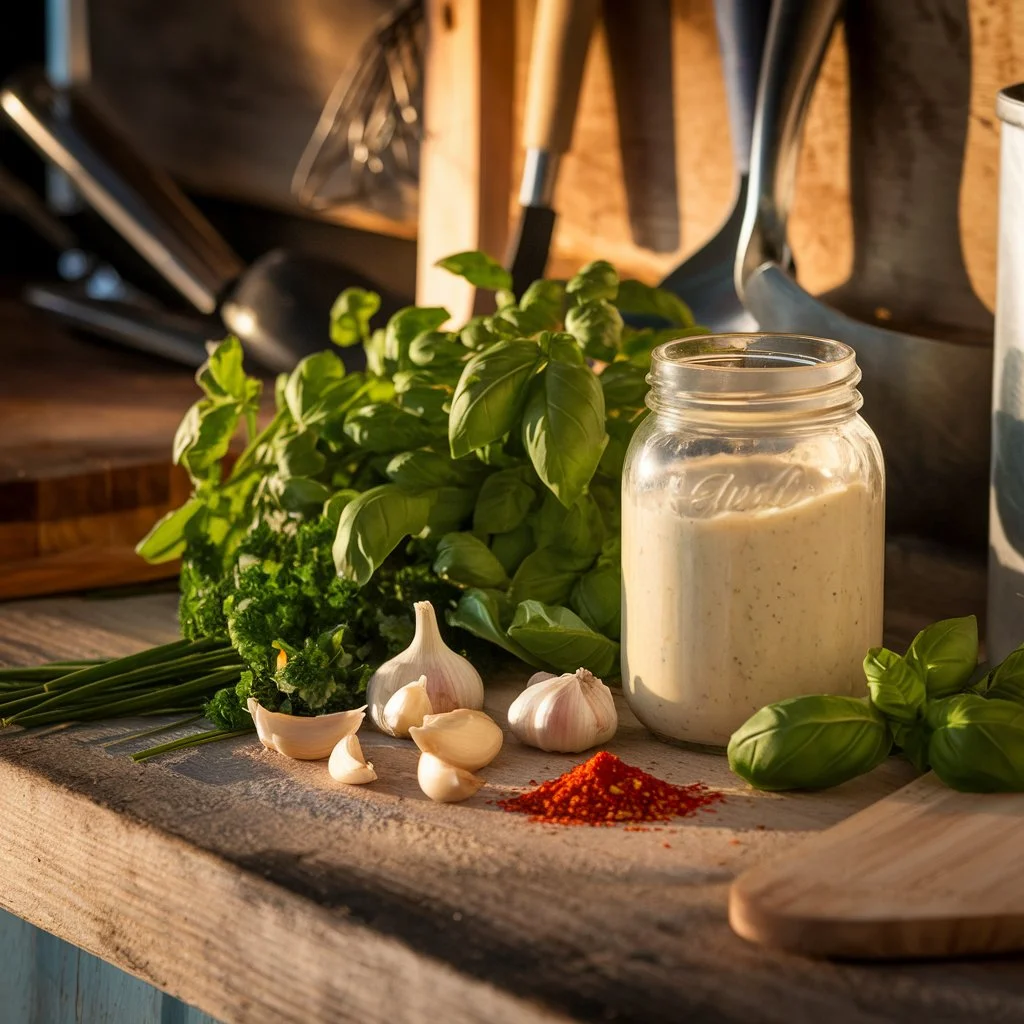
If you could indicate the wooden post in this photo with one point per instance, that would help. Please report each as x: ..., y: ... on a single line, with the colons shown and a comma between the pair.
x: 466, y: 160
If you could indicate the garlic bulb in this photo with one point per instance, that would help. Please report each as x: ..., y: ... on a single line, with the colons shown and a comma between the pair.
x: 444, y: 782
x: 452, y: 682
x: 464, y: 738
x: 564, y: 714
x: 407, y: 707
x: 348, y: 765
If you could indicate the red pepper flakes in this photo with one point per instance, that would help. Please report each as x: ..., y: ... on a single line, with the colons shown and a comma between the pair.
x: 607, y: 791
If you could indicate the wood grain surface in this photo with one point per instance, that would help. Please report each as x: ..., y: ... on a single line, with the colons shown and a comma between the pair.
x: 926, y: 872
x: 85, y: 466
x: 205, y: 871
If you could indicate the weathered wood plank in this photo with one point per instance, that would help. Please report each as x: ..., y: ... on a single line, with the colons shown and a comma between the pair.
x: 196, y: 872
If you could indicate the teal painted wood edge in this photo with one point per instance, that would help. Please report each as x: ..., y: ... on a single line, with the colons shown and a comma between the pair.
x: 45, y: 980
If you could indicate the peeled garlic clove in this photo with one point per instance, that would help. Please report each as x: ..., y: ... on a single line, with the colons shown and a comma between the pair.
x: 452, y: 682
x: 464, y: 738
x: 564, y: 714
x: 444, y: 782
x: 348, y: 765
x: 406, y: 708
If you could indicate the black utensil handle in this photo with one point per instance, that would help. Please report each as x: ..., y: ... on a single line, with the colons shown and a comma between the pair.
x: 798, y: 34
x: 140, y: 202
x: 742, y: 32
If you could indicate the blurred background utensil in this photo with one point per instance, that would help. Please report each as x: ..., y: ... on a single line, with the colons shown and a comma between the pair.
x: 366, y: 144
x: 279, y: 306
x: 705, y: 280
x: 927, y: 398
x: 561, y: 37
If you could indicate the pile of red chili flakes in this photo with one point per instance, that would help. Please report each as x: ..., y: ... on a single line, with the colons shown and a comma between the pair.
x: 607, y: 791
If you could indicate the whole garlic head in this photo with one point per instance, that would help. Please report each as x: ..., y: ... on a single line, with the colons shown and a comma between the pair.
x: 348, y: 765
x: 564, y: 714
x: 444, y: 782
x: 464, y: 738
x: 452, y: 682
x: 407, y: 707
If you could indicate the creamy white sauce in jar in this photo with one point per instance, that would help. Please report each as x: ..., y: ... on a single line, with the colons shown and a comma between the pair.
x: 748, y: 581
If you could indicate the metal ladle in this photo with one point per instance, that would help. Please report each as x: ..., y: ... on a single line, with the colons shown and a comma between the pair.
x: 927, y: 399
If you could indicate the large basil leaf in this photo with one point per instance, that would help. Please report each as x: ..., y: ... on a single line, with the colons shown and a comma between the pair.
x: 298, y: 494
x: 385, y: 428
x: 297, y: 455
x: 426, y: 399
x: 450, y: 512
x: 467, y: 561
x: 545, y: 301
x: 946, y: 655
x: 562, y: 640
x: 809, y: 742
x: 563, y: 425
x: 407, y: 324
x: 596, y: 280
x: 597, y: 327
x: 978, y: 745
x: 371, y: 527
x: 351, y: 314
x: 504, y: 500
x: 204, y: 435
x: 912, y: 740
x: 512, y: 547
x: 1006, y: 682
x: 490, y: 394
x: 317, y: 387
x: 546, y: 575
x: 478, y: 269
x: 582, y: 533
x: 423, y: 470
x: 638, y: 299
x: 481, y: 612
x: 624, y: 385
x: 597, y: 598
x: 166, y: 539
x: 897, y: 688
x: 478, y: 334
x: 435, y: 348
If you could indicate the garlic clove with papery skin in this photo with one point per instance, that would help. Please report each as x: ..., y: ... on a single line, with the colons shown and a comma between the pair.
x: 407, y: 707
x: 347, y: 763
x: 564, y: 714
x: 464, y: 738
x: 304, y: 738
x: 444, y: 782
x: 452, y: 682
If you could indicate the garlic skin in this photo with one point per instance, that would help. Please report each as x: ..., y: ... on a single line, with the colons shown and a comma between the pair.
x: 306, y: 739
x: 452, y: 682
x: 347, y: 763
x: 406, y: 708
x: 564, y: 714
x: 444, y: 782
x: 466, y: 739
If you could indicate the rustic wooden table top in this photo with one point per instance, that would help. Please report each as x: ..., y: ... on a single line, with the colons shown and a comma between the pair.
x: 254, y: 887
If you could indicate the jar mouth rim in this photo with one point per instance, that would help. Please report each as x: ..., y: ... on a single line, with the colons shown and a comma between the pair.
x: 754, y: 362
x: 760, y: 369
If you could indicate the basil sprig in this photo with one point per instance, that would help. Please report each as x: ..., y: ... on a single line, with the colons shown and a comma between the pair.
x: 921, y: 702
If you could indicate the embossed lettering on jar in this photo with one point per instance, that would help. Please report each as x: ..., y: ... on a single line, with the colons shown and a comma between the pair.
x: 753, y: 502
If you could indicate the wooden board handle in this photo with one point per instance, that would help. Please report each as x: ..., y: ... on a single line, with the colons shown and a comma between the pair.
x: 561, y: 37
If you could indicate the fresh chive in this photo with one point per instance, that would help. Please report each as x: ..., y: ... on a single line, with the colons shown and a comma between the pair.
x: 185, y: 742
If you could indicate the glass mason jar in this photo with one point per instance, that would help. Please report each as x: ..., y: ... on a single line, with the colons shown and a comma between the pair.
x: 753, y: 501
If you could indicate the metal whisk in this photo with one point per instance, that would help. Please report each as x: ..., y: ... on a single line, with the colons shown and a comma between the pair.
x: 365, y: 146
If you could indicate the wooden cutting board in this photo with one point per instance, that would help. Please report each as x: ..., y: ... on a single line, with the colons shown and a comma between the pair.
x: 925, y: 872
x: 85, y: 457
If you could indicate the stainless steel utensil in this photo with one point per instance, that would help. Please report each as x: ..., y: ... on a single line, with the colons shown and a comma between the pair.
x: 1006, y: 525
x: 366, y: 142
x: 927, y: 399
x: 705, y: 280
x: 279, y: 306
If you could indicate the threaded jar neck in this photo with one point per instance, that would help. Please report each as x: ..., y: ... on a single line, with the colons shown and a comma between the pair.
x: 737, y: 378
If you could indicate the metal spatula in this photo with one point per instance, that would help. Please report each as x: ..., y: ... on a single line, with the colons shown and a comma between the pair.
x: 927, y: 399
x: 704, y: 281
